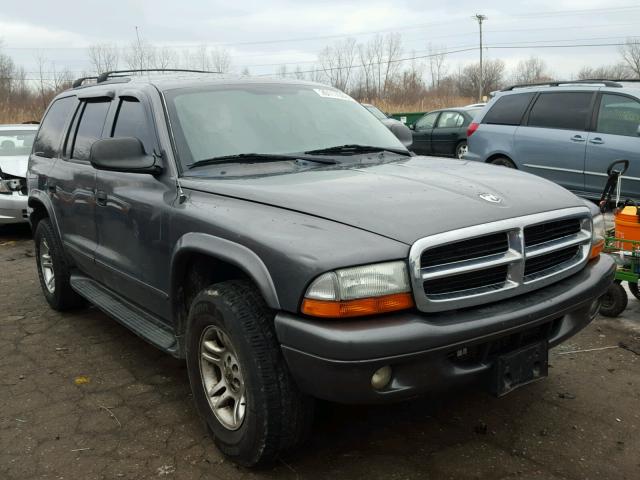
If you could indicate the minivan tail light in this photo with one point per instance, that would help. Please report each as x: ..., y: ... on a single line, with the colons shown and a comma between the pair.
x: 472, y: 128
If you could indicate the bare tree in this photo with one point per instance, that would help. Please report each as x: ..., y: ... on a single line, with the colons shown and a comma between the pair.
x: 630, y: 52
x: 103, y: 57
x: 245, y: 72
x: 220, y: 60
x: 165, y: 57
x: 337, y: 62
x: 437, y: 67
x: 616, y: 71
x: 140, y: 55
x: 468, y: 78
x: 298, y: 73
x: 282, y: 71
x: 531, y: 70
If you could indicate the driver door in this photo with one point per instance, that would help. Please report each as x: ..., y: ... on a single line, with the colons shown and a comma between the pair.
x: 422, y: 132
x: 132, y: 217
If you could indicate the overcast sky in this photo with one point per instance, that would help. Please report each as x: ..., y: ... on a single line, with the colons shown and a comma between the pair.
x: 263, y: 34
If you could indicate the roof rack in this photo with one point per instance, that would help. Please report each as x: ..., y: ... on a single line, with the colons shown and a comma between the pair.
x: 103, y: 77
x: 606, y: 83
x: 78, y: 82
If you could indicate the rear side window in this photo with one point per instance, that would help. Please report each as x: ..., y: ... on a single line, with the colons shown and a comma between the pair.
x: 94, y: 115
x: 508, y: 109
x: 565, y: 110
x: 450, y: 120
x: 618, y: 115
x: 47, y: 143
x: 131, y: 121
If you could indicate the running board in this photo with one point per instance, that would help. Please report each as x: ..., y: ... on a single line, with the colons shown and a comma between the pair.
x: 140, y: 322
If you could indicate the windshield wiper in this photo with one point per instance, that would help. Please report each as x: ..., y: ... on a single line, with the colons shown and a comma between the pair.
x: 354, y: 149
x: 255, y: 157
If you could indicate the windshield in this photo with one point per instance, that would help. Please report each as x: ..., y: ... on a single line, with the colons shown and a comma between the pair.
x: 16, y: 142
x: 376, y: 112
x: 269, y: 119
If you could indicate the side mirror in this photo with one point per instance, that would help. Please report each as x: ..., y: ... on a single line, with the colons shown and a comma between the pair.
x: 402, y: 132
x: 122, y: 154
x: 412, y: 126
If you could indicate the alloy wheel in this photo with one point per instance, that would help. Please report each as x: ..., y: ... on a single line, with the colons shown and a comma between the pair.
x: 222, y: 377
x: 46, y: 266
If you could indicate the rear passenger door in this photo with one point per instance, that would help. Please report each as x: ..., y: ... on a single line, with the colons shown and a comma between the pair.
x: 553, y: 141
x: 422, y: 133
x: 616, y: 136
x: 72, y: 182
x: 444, y: 136
x: 132, y: 217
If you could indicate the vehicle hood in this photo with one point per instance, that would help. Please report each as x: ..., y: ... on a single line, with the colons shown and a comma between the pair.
x: 404, y: 200
x: 15, y: 165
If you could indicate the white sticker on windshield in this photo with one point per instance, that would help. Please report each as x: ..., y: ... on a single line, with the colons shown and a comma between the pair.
x: 329, y: 93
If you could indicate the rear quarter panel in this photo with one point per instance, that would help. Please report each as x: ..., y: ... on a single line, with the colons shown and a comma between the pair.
x: 491, y: 140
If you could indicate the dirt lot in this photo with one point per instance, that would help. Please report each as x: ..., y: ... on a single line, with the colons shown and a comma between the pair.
x: 82, y: 398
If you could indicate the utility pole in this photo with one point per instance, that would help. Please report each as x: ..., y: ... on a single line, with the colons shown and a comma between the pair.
x: 480, y: 18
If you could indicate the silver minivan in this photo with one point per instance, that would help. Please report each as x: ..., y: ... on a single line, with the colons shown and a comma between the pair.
x: 567, y: 132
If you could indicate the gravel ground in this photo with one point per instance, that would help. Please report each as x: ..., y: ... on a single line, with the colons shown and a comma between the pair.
x: 83, y: 398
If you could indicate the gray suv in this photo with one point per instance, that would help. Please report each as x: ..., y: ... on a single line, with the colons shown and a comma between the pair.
x: 567, y: 132
x: 280, y: 239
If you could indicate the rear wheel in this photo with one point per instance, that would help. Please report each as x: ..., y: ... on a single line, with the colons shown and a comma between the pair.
x: 53, y: 269
x: 614, y: 301
x: 461, y: 149
x: 240, y: 381
x: 503, y: 162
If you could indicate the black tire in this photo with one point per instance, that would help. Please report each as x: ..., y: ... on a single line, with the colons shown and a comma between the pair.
x: 633, y: 287
x: 277, y: 416
x: 61, y: 297
x: 460, y: 149
x: 614, y: 301
x: 503, y: 162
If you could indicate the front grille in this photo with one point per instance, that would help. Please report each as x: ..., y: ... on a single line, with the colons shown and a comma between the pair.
x: 546, y: 232
x: 549, y: 260
x: 466, y: 249
x: 498, y: 260
x: 456, y: 283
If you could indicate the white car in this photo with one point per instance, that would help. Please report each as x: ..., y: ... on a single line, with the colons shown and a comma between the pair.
x: 15, y: 146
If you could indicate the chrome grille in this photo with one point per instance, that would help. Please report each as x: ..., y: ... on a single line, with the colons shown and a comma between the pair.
x: 493, y: 261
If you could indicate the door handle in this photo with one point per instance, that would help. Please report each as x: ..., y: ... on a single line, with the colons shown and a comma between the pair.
x: 577, y: 138
x: 101, y: 198
x: 596, y: 140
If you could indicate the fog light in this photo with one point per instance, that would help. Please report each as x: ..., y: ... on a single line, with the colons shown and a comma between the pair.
x: 381, y: 377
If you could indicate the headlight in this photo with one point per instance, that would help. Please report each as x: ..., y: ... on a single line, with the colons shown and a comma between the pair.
x: 11, y: 185
x: 357, y: 291
x: 597, y: 235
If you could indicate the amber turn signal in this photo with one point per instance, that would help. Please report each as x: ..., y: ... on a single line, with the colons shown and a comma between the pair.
x: 596, y: 249
x: 358, y: 307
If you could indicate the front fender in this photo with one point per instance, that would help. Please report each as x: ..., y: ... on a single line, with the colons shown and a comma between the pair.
x: 227, y: 251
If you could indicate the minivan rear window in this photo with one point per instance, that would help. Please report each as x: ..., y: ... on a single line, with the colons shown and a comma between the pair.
x: 508, y: 109
x: 566, y: 110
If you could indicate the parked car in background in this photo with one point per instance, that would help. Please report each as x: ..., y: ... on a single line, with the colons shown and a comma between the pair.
x: 398, y: 128
x: 443, y: 132
x: 567, y: 132
x: 15, y: 146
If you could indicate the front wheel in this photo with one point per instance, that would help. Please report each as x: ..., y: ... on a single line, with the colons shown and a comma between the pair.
x: 633, y: 288
x: 241, y: 385
x: 614, y: 301
x: 53, y: 269
x: 461, y: 150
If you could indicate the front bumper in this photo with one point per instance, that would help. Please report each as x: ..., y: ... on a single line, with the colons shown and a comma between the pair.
x: 335, y: 359
x: 13, y: 208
